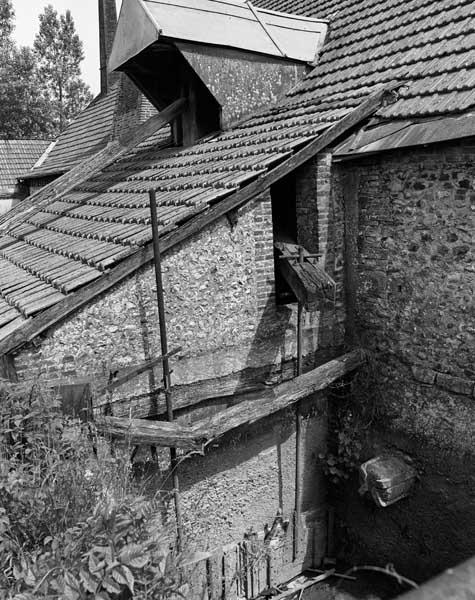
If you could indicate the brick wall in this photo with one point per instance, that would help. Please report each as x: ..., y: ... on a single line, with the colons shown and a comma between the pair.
x: 320, y: 230
x: 414, y: 311
x: 264, y: 252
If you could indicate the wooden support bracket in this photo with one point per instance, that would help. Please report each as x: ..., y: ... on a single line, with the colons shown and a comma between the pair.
x: 306, y: 278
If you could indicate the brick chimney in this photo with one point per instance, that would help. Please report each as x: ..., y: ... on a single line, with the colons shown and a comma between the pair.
x: 107, y: 28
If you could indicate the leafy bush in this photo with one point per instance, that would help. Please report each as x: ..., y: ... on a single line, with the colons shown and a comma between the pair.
x: 72, y: 523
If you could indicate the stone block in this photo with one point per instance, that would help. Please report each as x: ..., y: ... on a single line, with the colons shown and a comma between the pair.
x: 423, y: 375
x: 458, y: 385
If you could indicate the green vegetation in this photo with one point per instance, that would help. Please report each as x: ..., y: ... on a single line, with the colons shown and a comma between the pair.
x: 41, y: 89
x: 73, y: 524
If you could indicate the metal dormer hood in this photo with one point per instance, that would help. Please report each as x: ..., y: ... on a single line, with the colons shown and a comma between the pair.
x: 225, y: 56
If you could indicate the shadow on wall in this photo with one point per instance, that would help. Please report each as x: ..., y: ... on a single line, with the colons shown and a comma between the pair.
x: 270, y: 338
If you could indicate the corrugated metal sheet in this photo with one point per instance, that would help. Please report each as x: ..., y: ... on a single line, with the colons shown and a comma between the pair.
x: 228, y: 23
x: 407, y: 133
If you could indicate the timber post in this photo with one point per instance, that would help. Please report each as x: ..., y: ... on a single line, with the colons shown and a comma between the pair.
x: 165, y: 362
x: 298, y: 427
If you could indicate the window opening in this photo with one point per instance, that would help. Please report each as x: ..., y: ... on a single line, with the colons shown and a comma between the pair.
x: 284, y: 226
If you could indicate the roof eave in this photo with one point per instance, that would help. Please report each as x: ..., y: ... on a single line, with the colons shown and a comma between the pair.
x: 443, y: 128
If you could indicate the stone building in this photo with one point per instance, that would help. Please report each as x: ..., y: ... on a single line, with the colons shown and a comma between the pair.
x: 330, y: 203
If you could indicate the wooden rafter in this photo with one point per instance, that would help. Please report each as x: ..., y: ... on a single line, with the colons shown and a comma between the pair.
x: 77, y: 300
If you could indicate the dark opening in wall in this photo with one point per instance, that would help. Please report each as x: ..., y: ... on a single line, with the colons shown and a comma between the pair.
x: 284, y: 226
x: 163, y: 75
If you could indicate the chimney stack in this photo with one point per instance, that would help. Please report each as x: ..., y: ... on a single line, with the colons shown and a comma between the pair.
x: 107, y: 27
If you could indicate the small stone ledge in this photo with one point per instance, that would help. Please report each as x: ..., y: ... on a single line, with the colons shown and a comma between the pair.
x: 457, y: 385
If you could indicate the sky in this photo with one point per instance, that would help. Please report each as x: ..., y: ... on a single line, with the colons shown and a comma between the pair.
x: 85, y: 15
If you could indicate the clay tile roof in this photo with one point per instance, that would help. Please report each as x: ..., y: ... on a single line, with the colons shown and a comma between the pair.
x: 90, y: 132
x: 428, y: 44
x: 16, y: 157
x: 87, y: 134
x: 64, y: 243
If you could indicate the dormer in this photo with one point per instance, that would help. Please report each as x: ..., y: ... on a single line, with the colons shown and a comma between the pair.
x: 225, y: 57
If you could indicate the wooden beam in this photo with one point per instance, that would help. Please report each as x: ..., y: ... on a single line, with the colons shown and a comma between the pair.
x: 125, y: 375
x: 101, y: 383
x: 256, y: 407
x: 306, y: 278
x: 236, y: 384
x: 279, y: 397
x: 129, y: 265
x: 150, y: 433
x: 114, y: 150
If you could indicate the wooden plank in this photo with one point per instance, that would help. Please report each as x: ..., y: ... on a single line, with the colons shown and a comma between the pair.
x: 214, y: 567
x: 7, y: 368
x: 231, y: 573
x: 76, y: 400
x: 302, y: 285
x: 187, y: 395
x: 279, y: 397
x: 131, y: 264
x: 256, y: 407
x: 125, y: 375
x: 150, y: 433
x: 297, y: 591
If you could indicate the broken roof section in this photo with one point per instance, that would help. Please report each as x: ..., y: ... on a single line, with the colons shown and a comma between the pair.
x: 227, y: 23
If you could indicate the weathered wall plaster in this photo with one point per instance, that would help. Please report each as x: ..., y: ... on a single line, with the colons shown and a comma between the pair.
x: 241, y: 483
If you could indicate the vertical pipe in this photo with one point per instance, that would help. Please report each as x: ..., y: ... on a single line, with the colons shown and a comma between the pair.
x: 165, y: 363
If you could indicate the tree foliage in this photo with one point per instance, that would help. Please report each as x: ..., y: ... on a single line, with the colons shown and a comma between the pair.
x: 41, y: 89
x: 7, y: 26
x: 59, y: 53
x: 23, y: 112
